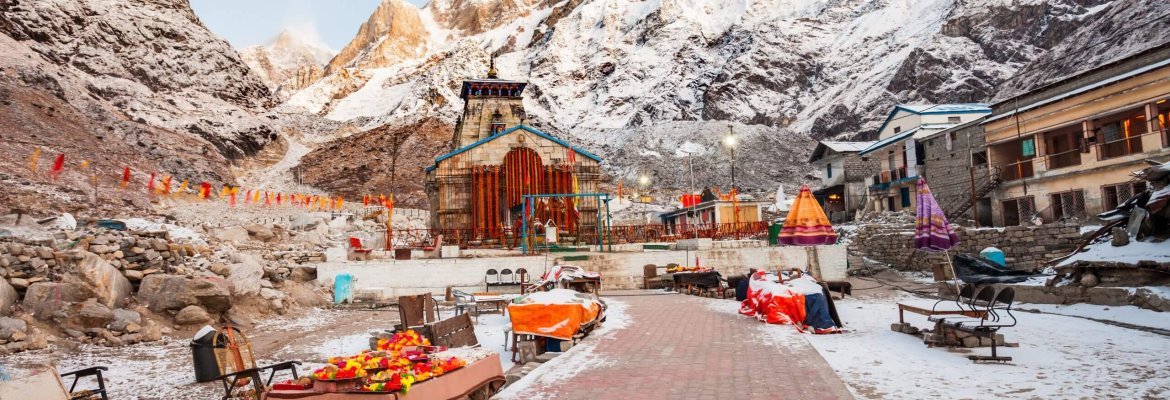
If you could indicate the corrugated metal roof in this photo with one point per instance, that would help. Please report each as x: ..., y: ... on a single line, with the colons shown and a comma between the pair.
x: 844, y: 147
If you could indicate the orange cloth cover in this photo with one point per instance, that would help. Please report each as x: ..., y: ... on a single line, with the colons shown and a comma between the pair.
x: 559, y: 321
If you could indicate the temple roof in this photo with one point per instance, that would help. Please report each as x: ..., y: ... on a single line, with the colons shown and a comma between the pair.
x: 515, y: 88
x: 526, y: 128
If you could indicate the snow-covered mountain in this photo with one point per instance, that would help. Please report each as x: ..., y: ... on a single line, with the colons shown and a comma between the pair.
x: 633, y: 80
x: 291, y: 61
x: 139, y: 84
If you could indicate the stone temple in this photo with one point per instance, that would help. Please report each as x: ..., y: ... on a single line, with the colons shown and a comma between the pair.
x: 476, y: 191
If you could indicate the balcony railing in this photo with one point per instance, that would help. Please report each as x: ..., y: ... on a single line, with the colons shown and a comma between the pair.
x: 1064, y: 159
x: 1018, y: 170
x: 1120, y: 147
x: 888, y: 176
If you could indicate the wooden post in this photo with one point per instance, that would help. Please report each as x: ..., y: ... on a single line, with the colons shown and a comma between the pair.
x: 974, y: 203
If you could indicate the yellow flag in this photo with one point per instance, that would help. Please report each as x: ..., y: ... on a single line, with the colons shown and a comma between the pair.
x: 84, y: 164
x: 32, y: 161
x: 183, y: 187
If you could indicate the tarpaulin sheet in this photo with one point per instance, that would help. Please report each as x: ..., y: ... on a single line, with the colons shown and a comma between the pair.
x: 709, y: 279
x: 773, y: 303
x: 555, y: 320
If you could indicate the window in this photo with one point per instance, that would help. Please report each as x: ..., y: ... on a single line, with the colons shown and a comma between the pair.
x: 1028, y: 147
x: 1068, y: 205
x: 897, y: 129
x: 1018, y: 211
x: 1122, y: 136
x: 951, y: 140
x: 1113, y: 195
x: 905, y: 194
x: 979, y: 158
x: 829, y: 170
x: 954, y: 120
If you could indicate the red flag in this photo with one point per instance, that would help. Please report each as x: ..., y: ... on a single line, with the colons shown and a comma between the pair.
x: 204, y: 190
x: 58, y: 166
x: 278, y: 199
x: 150, y: 184
x: 125, y: 177
x: 267, y: 199
x: 247, y: 196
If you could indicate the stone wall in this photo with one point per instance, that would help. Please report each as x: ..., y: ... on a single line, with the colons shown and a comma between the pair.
x: 1026, y: 247
x: 949, y: 171
x: 618, y: 270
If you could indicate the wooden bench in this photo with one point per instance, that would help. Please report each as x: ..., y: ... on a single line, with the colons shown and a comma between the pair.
x: 997, y: 314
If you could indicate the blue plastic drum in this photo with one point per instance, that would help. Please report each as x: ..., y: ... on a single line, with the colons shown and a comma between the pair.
x: 994, y: 254
x: 343, y: 289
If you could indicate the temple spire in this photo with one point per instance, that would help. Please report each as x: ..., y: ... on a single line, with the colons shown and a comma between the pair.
x: 492, y: 69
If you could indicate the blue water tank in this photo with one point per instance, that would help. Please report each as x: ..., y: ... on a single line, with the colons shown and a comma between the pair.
x: 994, y: 254
x: 343, y: 288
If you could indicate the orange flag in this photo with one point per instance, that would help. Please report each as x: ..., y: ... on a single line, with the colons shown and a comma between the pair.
x: 165, y: 188
x: 183, y: 187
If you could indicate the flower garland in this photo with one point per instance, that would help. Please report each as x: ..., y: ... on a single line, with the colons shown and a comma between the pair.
x: 399, y: 362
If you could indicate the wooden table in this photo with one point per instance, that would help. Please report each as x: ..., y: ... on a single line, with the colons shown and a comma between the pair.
x: 452, y: 385
x: 498, y: 304
x: 949, y: 309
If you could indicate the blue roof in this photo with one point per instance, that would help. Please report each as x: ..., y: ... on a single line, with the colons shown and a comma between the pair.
x: 935, y: 109
x: 887, y: 141
x: 527, y: 128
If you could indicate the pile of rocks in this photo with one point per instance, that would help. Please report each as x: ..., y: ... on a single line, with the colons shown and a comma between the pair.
x: 97, y: 324
x: 16, y: 336
x: 141, y: 254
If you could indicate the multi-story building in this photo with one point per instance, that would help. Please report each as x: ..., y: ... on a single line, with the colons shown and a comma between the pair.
x: 899, y: 151
x: 956, y: 168
x: 843, y: 177
x: 1066, y: 150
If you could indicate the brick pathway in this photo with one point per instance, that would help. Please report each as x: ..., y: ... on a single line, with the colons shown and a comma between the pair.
x: 679, y: 347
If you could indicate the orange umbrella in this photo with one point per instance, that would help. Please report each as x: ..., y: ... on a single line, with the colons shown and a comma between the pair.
x: 807, y: 224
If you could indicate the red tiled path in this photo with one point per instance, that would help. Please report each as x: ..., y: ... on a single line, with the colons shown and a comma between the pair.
x: 678, y: 347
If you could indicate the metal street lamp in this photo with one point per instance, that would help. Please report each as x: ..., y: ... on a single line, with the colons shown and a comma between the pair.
x: 731, y: 141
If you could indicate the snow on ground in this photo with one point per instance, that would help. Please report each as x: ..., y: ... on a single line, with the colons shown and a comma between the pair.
x: 489, y: 330
x: 1059, y: 357
x: 1132, y: 315
x: 176, y: 232
x: 580, y: 358
x: 1131, y: 253
x: 160, y: 370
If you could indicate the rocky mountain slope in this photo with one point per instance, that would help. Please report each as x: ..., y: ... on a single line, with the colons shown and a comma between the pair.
x: 634, y: 81
x: 290, y: 62
x: 137, y: 83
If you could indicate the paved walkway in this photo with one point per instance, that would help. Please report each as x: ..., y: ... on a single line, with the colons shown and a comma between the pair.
x: 686, y: 347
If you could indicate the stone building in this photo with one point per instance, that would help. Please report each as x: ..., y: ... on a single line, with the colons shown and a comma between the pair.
x: 843, y: 177
x: 476, y: 191
x: 955, y: 166
x: 898, y: 149
x: 1065, y: 150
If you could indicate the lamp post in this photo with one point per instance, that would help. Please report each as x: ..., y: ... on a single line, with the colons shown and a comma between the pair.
x: 730, y: 141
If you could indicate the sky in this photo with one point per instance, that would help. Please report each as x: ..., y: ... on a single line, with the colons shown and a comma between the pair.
x: 254, y: 22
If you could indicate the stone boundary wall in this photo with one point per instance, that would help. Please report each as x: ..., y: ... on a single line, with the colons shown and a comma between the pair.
x: 618, y: 270
x: 1026, y: 247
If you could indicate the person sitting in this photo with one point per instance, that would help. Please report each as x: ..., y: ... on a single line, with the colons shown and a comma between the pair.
x: 741, y: 287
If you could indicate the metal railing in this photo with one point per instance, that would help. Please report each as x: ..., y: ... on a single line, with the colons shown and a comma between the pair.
x: 1064, y: 159
x: 1119, y: 148
x: 651, y: 233
x: 1018, y: 170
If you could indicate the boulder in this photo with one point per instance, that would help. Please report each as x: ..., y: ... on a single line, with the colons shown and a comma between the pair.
x: 43, y: 299
x: 8, y: 297
x: 13, y: 324
x: 259, y: 232
x: 192, y: 315
x: 245, y: 275
x: 124, y: 318
x: 93, y: 314
x: 232, y: 234
x: 163, y: 292
x: 304, y: 295
x: 111, y: 287
x: 214, y: 294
